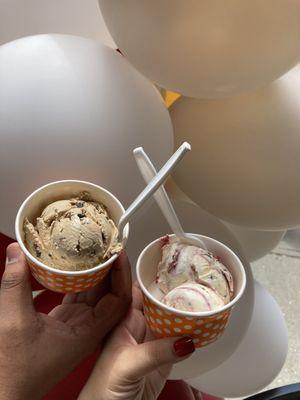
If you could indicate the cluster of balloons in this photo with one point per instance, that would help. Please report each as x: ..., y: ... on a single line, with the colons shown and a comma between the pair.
x: 244, y: 147
x: 71, y: 107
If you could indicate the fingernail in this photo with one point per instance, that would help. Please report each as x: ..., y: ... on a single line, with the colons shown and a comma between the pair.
x: 12, y: 255
x: 184, y: 346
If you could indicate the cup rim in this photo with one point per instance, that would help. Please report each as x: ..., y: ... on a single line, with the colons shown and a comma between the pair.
x: 97, y: 267
x: 194, y: 314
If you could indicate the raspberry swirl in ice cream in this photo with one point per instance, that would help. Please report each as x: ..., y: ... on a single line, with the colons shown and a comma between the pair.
x: 193, y: 297
x: 192, y: 279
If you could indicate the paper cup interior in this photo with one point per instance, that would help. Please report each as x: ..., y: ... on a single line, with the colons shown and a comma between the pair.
x: 152, y: 254
x: 38, y: 200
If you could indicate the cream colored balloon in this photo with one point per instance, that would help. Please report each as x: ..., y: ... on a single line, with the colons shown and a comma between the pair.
x: 207, y: 48
x: 20, y: 18
x: 256, y: 244
x: 176, y: 193
x: 72, y: 108
x: 259, y: 357
x: 149, y: 224
x: 244, y: 164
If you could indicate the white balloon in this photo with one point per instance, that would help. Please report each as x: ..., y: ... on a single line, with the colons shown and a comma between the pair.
x: 73, y: 108
x: 256, y: 244
x: 204, y: 48
x: 176, y: 193
x: 20, y: 18
x: 259, y: 357
x: 244, y: 165
x: 148, y: 225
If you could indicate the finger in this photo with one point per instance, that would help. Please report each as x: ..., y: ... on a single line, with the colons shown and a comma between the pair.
x: 135, y: 325
x: 89, y: 297
x: 70, y: 312
x: 93, y: 295
x: 138, y: 361
x: 69, y: 298
x: 137, y: 298
x: 121, y: 276
x: 16, y: 295
x: 149, y: 334
x: 130, y: 331
x: 136, y: 284
x: 109, y: 311
x: 120, y: 286
x: 62, y: 312
x: 113, y: 306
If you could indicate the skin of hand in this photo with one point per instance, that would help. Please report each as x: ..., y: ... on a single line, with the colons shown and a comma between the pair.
x: 132, y: 365
x: 38, y: 350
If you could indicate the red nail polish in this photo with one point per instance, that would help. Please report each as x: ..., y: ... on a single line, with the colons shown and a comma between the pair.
x: 184, y: 346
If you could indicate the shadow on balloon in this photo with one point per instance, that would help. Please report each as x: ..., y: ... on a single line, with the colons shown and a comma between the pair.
x: 256, y: 244
x: 259, y: 357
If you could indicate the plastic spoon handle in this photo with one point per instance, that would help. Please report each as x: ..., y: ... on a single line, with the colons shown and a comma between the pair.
x: 148, y: 171
x: 155, y: 183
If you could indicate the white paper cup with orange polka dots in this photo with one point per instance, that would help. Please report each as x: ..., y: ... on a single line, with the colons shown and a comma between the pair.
x: 55, y: 279
x: 164, y: 321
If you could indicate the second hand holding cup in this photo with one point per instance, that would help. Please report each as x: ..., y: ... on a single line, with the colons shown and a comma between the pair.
x: 148, y: 172
x: 154, y: 184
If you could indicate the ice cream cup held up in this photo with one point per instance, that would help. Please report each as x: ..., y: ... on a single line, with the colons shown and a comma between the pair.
x: 164, y: 321
x: 55, y: 279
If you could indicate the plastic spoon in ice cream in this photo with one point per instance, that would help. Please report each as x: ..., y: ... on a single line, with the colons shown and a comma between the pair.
x: 154, y: 184
x: 148, y: 171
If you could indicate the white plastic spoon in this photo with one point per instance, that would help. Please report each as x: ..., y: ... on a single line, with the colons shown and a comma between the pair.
x: 148, y: 171
x: 154, y: 184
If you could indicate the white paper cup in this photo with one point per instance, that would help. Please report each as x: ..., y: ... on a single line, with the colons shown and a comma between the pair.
x: 164, y: 321
x: 55, y: 279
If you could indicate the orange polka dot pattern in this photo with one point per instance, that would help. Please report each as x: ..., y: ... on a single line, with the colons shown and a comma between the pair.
x: 203, y: 330
x: 65, y: 283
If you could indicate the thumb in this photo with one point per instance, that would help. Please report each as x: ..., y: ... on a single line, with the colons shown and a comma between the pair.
x: 16, y: 294
x: 149, y: 356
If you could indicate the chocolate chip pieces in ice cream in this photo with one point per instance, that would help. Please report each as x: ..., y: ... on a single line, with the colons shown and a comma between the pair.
x: 73, y: 235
